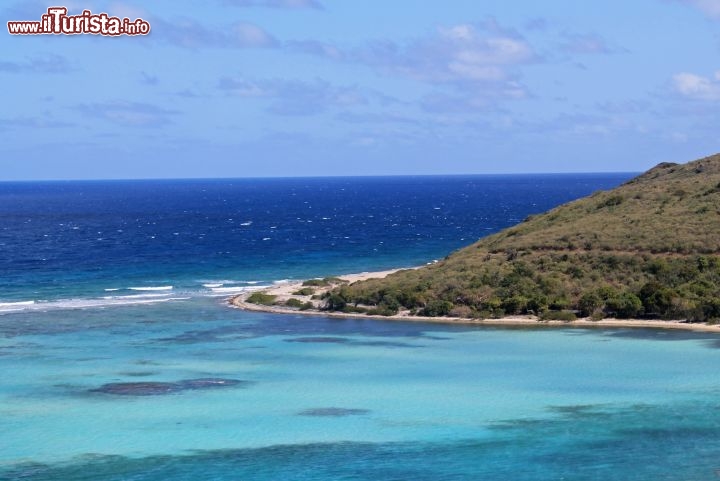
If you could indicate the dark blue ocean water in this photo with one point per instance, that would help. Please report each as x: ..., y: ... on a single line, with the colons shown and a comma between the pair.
x: 63, y: 240
x: 111, y: 290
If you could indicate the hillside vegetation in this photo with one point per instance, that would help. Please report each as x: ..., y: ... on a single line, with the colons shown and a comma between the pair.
x: 650, y: 247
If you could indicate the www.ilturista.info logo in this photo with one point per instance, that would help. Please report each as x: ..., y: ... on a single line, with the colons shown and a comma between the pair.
x: 57, y: 22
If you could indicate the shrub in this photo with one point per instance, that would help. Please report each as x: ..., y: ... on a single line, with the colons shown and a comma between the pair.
x: 389, y: 301
x: 515, y: 305
x: 575, y: 272
x: 656, y: 299
x: 624, y: 305
x: 611, y: 201
x: 261, y: 298
x: 436, y: 309
x: 293, y: 302
x: 334, y: 280
x: 711, y: 310
x: 537, y: 304
x: 559, y: 304
x: 350, y: 309
x: 658, y: 266
x: 589, y: 303
x: 335, y: 302
x: 316, y: 283
x: 305, y: 291
x: 566, y: 316
x: 308, y: 305
x: 380, y: 311
x: 607, y: 292
x: 461, y: 311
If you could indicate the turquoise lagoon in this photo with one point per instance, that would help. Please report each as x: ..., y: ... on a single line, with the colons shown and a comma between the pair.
x: 351, y: 399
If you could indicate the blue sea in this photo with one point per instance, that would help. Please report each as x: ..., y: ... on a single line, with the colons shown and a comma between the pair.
x: 121, y: 359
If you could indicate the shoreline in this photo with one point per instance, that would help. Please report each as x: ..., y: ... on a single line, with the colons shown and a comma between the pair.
x: 287, y: 290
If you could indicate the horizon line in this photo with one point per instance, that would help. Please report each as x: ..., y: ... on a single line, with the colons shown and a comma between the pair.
x: 368, y: 176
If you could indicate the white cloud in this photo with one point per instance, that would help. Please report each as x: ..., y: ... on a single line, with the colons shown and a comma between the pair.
x: 459, y: 32
x: 462, y: 52
x: 472, y: 64
x: 470, y: 67
x: 697, y: 86
x: 483, y: 59
x: 249, y: 35
x: 456, y: 54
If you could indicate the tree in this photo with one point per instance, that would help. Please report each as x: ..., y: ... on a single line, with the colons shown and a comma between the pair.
x: 335, y: 302
x: 437, y: 309
x: 656, y: 298
x: 589, y: 302
x: 625, y: 305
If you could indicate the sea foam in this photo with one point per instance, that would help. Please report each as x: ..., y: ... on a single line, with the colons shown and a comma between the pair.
x: 151, y: 288
x: 85, y: 303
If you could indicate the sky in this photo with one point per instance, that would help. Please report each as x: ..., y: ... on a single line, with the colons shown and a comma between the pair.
x: 256, y: 88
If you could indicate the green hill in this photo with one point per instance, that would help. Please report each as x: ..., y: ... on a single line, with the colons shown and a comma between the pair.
x: 650, y: 247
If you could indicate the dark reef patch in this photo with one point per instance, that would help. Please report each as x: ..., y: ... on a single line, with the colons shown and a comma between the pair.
x: 580, y: 410
x: 333, y: 412
x: 343, y: 340
x: 384, y: 344
x: 676, y: 441
x: 138, y: 373
x: 709, y: 339
x: 320, y: 339
x: 138, y: 388
x: 156, y: 388
x: 147, y: 362
x: 209, y: 382
x: 218, y: 334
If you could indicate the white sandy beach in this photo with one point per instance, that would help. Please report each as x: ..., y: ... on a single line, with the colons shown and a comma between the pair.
x: 285, y: 291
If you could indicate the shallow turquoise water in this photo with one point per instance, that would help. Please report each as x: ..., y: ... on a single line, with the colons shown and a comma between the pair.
x: 350, y: 399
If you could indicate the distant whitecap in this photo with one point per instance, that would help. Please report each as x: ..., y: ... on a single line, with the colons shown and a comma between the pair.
x: 16, y: 304
x: 151, y: 288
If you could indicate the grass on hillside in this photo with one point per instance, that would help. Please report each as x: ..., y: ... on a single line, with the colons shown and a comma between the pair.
x: 647, y: 248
